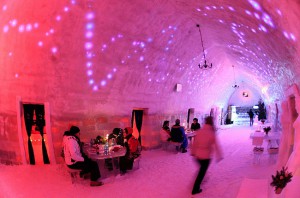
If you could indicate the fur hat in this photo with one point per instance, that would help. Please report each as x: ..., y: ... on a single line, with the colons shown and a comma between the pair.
x: 74, y: 130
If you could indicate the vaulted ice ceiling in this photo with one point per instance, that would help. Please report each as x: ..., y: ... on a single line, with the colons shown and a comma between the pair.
x: 111, y: 56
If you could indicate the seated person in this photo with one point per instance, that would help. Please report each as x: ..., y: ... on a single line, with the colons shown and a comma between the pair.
x: 178, y: 135
x: 75, y: 159
x: 117, y: 135
x: 117, y: 138
x: 132, y: 150
x: 195, y: 125
x: 165, y: 133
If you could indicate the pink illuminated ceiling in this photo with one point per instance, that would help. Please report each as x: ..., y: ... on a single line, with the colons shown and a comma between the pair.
x: 100, y: 53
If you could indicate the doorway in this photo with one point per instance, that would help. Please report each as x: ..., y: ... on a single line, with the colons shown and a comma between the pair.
x: 35, y: 138
x: 136, y: 123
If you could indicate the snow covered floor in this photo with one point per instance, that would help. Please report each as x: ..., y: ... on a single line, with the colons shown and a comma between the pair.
x: 161, y: 174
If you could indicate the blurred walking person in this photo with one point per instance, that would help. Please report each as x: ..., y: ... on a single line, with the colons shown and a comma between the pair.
x: 205, y: 144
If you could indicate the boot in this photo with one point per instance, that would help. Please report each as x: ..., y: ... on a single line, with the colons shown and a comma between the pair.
x: 96, y: 183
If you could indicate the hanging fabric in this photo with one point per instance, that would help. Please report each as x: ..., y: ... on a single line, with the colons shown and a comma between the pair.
x: 28, y: 116
x: 188, y: 118
x: 138, y: 116
x: 40, y: 123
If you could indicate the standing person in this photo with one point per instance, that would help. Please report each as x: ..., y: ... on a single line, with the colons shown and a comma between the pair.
x: 202, y: 149
x: 165, y: 133
x: 75, y: 159
x: 251, y: 116
x: 178, y: 135
x: 195, y: 125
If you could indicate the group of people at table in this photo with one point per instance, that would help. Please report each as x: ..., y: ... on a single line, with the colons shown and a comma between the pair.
x: 76, y: 158
x: 177, y: 133
x: 204, y: 146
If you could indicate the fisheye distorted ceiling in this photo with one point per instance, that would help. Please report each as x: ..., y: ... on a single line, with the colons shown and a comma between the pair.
x: 111, y: 48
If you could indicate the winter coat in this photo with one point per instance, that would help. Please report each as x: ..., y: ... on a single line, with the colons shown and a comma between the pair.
x: 205, y: 144
x: 72, y: 153
x: 177, y: 133
x: 164, y: 135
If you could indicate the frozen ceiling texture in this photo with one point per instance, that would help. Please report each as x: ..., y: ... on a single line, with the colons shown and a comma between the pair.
x: 88, y: 56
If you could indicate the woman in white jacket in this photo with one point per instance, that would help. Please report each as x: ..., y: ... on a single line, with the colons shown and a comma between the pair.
x: 204, y: 145
x: 75, y: 159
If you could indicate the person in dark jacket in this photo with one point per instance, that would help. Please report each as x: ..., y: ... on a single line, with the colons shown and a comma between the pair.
x: 178, y: 135
x: 195, y: 125
x: 251, y: 116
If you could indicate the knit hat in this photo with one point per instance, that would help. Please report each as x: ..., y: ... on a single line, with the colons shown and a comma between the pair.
x: 129, y: 130
x: 74, y: 130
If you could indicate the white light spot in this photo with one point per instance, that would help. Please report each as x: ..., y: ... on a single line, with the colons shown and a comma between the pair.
x: 58, y: 18
x: 231, y: 8
x: 88, y: 45
x: 278, y: 12
x: 248, y: 12
x: 292, y: 36
x: 21, y: 28
x: 109, y: 76
x: 286, y: 35
x: 28, y: 27
x: 36, y: 25
x: 256, y: 15
x: 4, y: 8
x: 40, y: 43
x: 89, y: 26
x: 91, y: 81
x: 16, y: 75
x: 95, y: 87
x: 90, y: 16
x: 89, y: 64
x: 103, y: 83
x: 89, y: 72
x: 13, y: 22
x: 54, y: 50
x: 66, y: 9
x: 5, y: 28
x: 255, y: 4
x: 141, y: 58
x: 89, y: 34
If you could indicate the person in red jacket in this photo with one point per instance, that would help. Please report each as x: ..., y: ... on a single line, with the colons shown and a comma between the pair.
x: 132, y: 151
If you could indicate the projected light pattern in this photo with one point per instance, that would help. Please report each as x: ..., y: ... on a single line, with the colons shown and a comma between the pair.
x: 139, y: 49
x: 24, y: 27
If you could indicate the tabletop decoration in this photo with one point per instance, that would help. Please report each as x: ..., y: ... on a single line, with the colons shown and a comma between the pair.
x: 280, y: 180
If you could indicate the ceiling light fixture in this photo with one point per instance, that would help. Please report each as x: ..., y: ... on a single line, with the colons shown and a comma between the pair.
x: 205, y: 65
x: 235, y: 85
